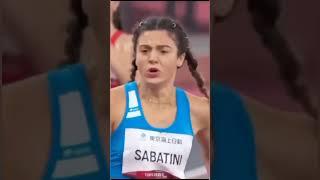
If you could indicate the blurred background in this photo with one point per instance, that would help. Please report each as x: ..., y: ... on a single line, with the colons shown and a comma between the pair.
x: 241, y: 61
x: 15, y: 63
x: 195, y: 18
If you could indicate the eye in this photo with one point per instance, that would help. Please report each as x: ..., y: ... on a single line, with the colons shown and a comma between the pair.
x: 163, y: 51
x: 143, y: 51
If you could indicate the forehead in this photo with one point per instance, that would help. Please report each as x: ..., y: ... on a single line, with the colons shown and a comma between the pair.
x: 154, y: 38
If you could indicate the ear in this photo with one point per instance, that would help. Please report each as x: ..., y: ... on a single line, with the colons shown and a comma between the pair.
x: 180, y: 60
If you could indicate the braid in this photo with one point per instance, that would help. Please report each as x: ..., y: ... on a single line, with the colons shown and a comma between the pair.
x: 133, y: 70
x: 264, y: 17
x: 75, y: 33
x: 264, y: 14
x: 290, y: 71
x: 193, y: 64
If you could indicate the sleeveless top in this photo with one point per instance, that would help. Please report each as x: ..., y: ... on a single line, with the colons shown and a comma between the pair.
x: 139, y: 150
x: 234, y: 143
x: 76, y: 152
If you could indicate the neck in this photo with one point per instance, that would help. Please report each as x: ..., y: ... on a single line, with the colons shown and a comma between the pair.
x: 157, y: 95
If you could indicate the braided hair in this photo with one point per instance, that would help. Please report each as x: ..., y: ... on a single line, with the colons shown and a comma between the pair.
x: 75, y: 30
x: 264, y: 15
x: 181, y: 40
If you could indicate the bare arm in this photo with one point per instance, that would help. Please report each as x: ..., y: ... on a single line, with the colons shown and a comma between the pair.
x: 285, y: 141
x: 25, y: 128
x: 117, y: 106
x: 200, y: 114
x: 204, y: 139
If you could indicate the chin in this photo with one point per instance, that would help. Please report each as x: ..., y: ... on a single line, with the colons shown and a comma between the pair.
x: 153, y: 81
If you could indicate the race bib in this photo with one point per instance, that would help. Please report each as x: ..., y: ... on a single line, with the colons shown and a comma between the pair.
x: 152, y: 154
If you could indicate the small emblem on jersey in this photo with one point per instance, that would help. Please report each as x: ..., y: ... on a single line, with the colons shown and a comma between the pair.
x: 133, y: 109
x: 77, y: 151
x: 143, y: 137
x: 133, y: 114
x: 67, y: 152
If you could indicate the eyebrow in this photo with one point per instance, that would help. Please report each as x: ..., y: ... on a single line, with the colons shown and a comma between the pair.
x: 158, y: 46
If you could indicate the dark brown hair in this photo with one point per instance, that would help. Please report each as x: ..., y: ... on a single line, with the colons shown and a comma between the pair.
x: 264, y: 15
x: 75, y: 30
x: 180, y: 38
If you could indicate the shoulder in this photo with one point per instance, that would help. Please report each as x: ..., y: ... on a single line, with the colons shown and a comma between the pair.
x: 24, y: 91
x: 291, y: 131
x: 26, y: 114
x: 117, y: 105
x: 117, y: 94
x: 198, y: 104
x: 200, y: 111
x: 117, y: 91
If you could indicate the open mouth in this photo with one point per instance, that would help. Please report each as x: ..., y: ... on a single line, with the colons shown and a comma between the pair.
x: 152, y: 73
x: 153, y: 70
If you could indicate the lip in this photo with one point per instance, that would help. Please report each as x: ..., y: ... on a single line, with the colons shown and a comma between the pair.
x: 152, y: 72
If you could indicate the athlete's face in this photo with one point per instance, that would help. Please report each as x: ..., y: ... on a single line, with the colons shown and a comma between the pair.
x: 157, y: 57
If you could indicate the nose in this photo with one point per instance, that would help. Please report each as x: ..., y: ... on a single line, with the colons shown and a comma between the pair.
x: 153, y: 57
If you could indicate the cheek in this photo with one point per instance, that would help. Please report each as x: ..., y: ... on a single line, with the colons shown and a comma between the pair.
x: 170, y: 65
x: 140, y: 61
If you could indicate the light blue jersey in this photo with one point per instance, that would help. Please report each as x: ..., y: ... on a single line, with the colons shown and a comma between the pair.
x: 164, y: 149
x: 234, y: 143
x: 76, y: 152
